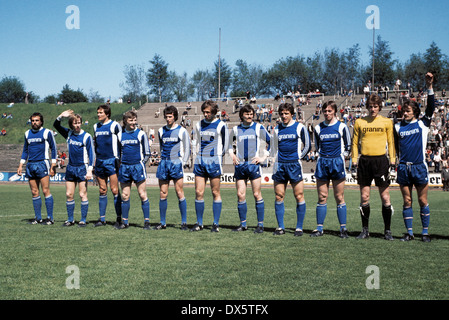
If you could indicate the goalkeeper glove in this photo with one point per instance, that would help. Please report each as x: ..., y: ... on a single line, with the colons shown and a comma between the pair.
x: 392, y: 174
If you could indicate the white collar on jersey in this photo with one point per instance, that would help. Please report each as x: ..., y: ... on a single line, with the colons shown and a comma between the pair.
x: 174, y: 126
x: 292, y: 122
x: 215, y: 120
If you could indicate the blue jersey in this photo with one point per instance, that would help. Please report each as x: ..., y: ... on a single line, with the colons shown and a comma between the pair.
x: 37, y: 146
x: 287, y: 142
x: 411, y: 137
x: 106, y: 142
x: 248, y: 140
x: 79, y: 146
x: 211, y: 139
x: 174, y: 143
x: 134, y: 146
x: 332, y: 141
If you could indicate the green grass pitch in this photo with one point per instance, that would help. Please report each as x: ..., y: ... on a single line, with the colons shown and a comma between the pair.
x: 137, y: 264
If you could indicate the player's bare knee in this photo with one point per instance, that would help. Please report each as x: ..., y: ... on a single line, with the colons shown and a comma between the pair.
x: 279, y: 197
x: 339, y: 199
x: 257, y: 195
x: 114, y: 190
x: 69, y: 196
x: 163, y: 194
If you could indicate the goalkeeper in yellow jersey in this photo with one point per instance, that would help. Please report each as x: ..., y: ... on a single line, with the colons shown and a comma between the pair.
x: 373, y: 139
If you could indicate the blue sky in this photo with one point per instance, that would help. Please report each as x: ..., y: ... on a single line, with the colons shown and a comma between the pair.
x: 37, y: 47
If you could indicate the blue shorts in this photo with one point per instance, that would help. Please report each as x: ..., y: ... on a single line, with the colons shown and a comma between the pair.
x: 412, y: 174
x: 106, y: 168
x: 132, y: 173
x: 169, y: 170
x: 330, y: 169
x: 287, y: 171
x: 207, y: 167
x: 247, y: 171
x: 38, y: 169
x: 75, y: 173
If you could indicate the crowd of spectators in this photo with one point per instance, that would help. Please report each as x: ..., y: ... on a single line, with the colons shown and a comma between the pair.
x: 351, y: 109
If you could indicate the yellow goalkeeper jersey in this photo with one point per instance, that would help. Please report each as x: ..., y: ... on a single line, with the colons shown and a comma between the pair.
x: 373, y: 136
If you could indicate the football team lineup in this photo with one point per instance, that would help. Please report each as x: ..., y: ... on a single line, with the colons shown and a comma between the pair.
x: 117, y: 157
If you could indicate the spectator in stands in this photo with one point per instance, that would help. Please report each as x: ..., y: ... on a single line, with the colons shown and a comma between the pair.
x: 437, y: 161
x: 439, y: 139
x: 223, y: 114
x: 270, y: 113
x: 445, y: 177
x: 366, y: 91
x: 58, y: 159
x: 429, y: 156
x: 310, y: 156
x: 253, y: 100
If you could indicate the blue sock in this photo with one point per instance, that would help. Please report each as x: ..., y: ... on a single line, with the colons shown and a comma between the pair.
x: 146, y: 209
x: 342, y: 214
x: 199, y: 210
x: 49, y: 206
x: 84, y: 210
x: 243, y: 210
x: 125, y: 211
x: 321, y: 211
x: 183, y: 210
x: 103, y: 203
x: 260, y: 210
x: 407, y: 214
x: 70, y: 210
x: 118, y: 205
x: 279, y: 211
x: 37, y: 205
x: 425, y: 219
x: 216, y: 209
x: 163, y: 211
x: 300, y: 214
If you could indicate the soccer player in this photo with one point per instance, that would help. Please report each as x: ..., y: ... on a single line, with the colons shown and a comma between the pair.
x: 333, y: 143
x: 135, y: 152
x: 174, y: 143
x: 79, y: 168
x: 211, y: 137
x: 373, y: 134
x: 411, y: 140
x: 247, y: 160
x: 38, y: 142
x: 107, y: 152
x: 288, y: 138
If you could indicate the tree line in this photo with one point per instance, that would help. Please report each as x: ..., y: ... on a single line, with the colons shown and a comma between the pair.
x: 330, y: 72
